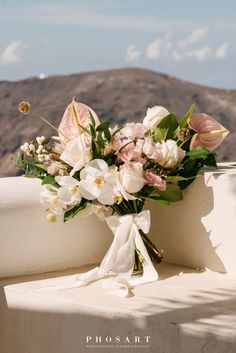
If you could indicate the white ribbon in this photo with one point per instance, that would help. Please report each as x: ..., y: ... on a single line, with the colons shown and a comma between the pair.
x: 119, y: 259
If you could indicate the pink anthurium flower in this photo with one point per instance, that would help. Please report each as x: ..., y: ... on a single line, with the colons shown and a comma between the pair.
x: 209, y: 133
x: 76, y: 114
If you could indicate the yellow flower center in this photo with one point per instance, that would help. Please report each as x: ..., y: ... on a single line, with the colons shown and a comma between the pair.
x: 99, y: 181
x: 117, y: 198
x: 75, y: 189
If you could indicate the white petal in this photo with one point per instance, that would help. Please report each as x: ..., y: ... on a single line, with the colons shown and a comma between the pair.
x: 66, y: 181
x: 65, y: 195
x: 106, y: 195
x: 88, y: 189
x: 99, y: 164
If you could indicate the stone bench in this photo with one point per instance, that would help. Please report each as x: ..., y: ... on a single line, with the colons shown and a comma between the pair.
x: 187, y: 310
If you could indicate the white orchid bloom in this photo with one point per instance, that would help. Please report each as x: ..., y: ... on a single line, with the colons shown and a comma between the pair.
x: 77, y: 153
x: 69, y: 191
x: 98, y: 182
x: 50, y: 195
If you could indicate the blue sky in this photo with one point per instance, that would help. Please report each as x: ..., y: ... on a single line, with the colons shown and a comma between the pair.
x: 193, y: 40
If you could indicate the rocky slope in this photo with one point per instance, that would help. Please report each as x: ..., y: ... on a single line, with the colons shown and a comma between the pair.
x: 119, y: 95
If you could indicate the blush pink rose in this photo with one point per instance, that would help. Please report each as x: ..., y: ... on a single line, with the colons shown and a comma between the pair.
x: 130, y: 153
x: 154, y: 180
x: 149, y: 148
x: 133, y: 131
x: 209, y: 133
x: 69, y: 128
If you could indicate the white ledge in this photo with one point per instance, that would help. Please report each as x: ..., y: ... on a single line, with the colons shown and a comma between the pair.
x: 196, y: 232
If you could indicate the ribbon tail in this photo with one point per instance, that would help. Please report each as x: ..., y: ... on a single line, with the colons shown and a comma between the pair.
x: 77, y: 281
x: 149, y: 272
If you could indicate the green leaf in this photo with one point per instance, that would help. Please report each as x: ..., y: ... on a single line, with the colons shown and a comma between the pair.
x: 183, y: 123
x: 42, y: 166
x: 94, y: 149
x: 75, y: 210
x: 172, y: 178
x: 93, y: 131
x: 92, y: 119
x: 103, y: 126
x: 166, y: 128
x: 172, y: 193
x: 84, y: 129
x: 199, y: 152
x: 107, y: 134
x: 159, y: 199
x: 49, y: 179
x: 100, y: 140
x: 210, y: 161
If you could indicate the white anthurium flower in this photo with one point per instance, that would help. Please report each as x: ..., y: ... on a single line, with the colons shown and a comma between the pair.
x: 69, y: 191
x: 50, y: 196
x: 131, y: 174
x: 77, y: 153
x: 97, y: 182
x: 168, y: 154
x: 153, y: 116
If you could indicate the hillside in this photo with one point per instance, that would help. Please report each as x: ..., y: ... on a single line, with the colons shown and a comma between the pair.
x: 118, y: 95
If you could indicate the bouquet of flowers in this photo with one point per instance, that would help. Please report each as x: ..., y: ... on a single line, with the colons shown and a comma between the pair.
x: 91, y: 167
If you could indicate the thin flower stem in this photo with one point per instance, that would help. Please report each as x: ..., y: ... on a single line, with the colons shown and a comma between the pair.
x: 38, y: 115
x: 128, y: 143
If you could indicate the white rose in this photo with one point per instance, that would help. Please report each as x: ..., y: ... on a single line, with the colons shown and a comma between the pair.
x: 131, y: 175
x: 153, y: 116
x: 77, y: 153
x: 168, y: 154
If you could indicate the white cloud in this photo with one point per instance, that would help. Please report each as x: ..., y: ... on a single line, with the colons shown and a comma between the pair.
x: 132, y: 53
x: 12, y: 53
x: 194, y: 37
x: 221, y: 51
x: 198, y: 54
x: 158, y: 48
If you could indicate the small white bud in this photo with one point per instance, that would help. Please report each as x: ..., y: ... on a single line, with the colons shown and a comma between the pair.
x: 41, y: 158
x: 51, y: 217
x: 39, y: 149
x: 31, y: 147
x: 40, y: 139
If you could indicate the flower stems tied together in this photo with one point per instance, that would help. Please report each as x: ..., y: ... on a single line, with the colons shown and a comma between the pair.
x: 119, y: 259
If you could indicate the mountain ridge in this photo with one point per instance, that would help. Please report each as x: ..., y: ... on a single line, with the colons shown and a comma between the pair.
x: 120, y: 95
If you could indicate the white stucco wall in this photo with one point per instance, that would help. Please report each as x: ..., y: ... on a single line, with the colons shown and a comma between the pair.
x: 199, y: 231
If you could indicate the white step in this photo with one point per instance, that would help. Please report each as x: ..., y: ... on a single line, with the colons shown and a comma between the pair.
x: 185, y: 311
